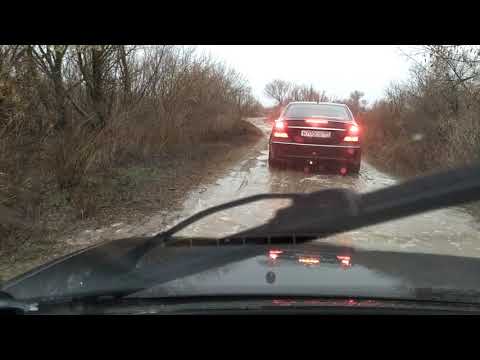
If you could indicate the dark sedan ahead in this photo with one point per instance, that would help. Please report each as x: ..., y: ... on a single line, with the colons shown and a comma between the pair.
x: 314, y: 133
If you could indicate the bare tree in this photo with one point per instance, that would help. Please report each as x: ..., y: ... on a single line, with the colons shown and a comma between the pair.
x: 354, y: 102
x: 278, y: 90
x: 127, y: 71
x: 97, y: 65
x: 306, y: 93
x: 50, y: 60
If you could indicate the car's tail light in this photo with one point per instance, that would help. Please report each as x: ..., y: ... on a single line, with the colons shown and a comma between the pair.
x: 354, y: 129
x: 279, y: 134
x: 279, y: 125
x: 352, y: 134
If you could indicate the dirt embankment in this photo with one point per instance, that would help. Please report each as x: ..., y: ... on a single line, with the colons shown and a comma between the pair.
x: 131, y: 195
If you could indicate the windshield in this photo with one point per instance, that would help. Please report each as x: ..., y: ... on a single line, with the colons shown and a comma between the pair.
x: 103, y: 146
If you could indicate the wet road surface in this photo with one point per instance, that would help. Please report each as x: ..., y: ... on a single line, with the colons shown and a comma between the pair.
x: 448, y: 231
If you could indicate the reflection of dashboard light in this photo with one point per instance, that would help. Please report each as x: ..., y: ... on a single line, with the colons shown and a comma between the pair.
x: 308, y: 260
x: 344, y: 260
x: 283, y: 302
x: 273, y: 254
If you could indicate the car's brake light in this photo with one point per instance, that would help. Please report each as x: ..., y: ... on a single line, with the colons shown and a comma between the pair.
x: 279, y: 134
x: 316, y: 121
x: 353, y: 129
x: 351, y: 139
x: 279, y: 125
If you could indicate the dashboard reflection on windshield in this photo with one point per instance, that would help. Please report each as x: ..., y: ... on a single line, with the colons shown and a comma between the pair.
x: 274, y: 256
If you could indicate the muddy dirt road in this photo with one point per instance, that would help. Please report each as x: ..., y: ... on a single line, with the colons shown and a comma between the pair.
x: 448, y: 231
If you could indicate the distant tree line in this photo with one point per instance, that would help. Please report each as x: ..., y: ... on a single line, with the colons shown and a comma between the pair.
x: 283, y: 92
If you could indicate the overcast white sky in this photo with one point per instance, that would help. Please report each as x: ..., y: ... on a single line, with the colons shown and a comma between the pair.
x: 337, y: 69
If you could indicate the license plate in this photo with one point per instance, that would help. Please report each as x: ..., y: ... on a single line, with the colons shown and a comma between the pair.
x: 319, y: 134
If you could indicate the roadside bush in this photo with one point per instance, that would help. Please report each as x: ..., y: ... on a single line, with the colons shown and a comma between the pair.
x: 432, y: 120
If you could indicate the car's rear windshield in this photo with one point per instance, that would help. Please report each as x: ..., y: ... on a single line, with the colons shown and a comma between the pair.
x: 317, y: 110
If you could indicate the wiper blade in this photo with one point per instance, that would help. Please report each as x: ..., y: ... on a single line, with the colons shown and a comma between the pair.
x: 331, y: 211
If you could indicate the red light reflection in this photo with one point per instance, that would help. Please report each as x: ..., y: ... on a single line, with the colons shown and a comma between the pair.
x: 276, y: 251
x: 308, y: 261
x: 283, y: 302
x: 273, y: 254
x: 314, y: 302
x: 344, y: 260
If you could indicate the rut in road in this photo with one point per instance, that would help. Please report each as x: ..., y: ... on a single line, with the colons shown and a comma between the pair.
x: 446, y: 231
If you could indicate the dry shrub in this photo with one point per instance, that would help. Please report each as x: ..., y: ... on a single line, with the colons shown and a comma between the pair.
x: 70, y: 155
x: 430, y: 122
x: 71, y: 116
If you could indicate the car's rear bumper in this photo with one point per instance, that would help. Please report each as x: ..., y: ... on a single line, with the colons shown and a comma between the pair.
x: 293, y: 151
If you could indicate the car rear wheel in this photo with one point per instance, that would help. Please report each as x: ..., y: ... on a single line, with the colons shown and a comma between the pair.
x: 354, y: 168
x: 272, y: 162
x: 275, y: 164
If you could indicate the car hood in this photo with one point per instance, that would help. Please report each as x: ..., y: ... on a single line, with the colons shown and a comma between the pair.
x: 316, y: 269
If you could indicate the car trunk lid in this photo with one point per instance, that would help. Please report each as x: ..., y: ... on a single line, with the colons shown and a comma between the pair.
x: 321, y: 131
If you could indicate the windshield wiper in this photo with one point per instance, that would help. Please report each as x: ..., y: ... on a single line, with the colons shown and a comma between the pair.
x: 331, y: 211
